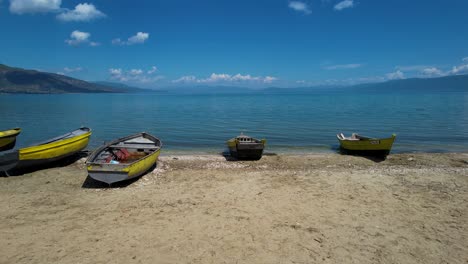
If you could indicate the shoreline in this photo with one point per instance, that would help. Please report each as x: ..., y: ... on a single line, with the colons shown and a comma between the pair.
x: 326, y: 208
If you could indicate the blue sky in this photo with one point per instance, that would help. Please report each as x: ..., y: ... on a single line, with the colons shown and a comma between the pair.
x: 244, y: 43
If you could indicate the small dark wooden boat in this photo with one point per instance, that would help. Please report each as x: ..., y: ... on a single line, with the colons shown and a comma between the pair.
x: 245, y: 147
x: 124, y: 159
x: 46, y: 152
x: 8, y: 138
x: 360, y: 145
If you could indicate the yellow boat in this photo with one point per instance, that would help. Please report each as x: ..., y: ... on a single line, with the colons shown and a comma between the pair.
x: 124, y: 159
x: 357, y: 144
x: 8, y: 138
x: 47, y: 151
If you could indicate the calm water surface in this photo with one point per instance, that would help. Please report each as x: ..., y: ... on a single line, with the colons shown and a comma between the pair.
x: 432, y: 121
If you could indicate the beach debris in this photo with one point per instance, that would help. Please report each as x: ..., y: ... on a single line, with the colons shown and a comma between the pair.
x: 296, y: 226
x: 312, y: 230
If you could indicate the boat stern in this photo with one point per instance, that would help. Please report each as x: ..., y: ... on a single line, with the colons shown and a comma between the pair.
x: 8, y: 161
x: 108, y: 177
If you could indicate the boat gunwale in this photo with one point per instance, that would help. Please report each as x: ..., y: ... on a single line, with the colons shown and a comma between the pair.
x: 61, y: 137
x: 14, y: 134
x: 364, y: 140
x: 256, y: 141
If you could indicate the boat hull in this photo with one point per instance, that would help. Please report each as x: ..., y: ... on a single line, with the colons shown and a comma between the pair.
x: 252, y: 151
x: 8, y: 138
x: 372, y: 153
x: 250, y: 154
x: 52, y: 152
x: 370, y: 147
x: 47, y: 153
x: 109, y: 176
x: 112, y: 173
x: 7, y: 143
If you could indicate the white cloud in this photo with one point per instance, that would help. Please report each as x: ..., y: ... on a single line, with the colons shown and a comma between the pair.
x: 226, y: 78
x: 344, y: 4
x: 398, y: 75
x: 78, y: 37
x: 186, y: 79
x: 136, y: 71
x: 152, y: 70
x: 115, y: 72
x: 139, y: 38
x: 343, y: 66
x: 77, y: 69
x: 461, y: 69
x: 82, y: 12
x: 134, y: 75
x: 269, y: 79
x: 300, y: 7
x: 431, y: 72
x: 34, y: 6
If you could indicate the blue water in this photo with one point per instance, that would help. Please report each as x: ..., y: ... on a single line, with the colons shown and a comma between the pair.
x: 435, y: 121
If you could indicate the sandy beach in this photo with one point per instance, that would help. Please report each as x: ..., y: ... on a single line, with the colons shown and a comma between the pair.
x: 323, y: 208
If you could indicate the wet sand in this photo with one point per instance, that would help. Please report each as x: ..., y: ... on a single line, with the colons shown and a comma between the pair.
x: 327, y: 208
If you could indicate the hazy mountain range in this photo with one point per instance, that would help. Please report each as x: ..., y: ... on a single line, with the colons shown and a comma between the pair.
x: 17, y: 80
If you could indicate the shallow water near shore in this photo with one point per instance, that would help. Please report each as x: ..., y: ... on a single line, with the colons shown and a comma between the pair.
x: 430, y: 121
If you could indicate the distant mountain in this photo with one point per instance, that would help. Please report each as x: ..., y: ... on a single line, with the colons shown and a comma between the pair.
x: 126, y: 88
x: 447, y: 83
x: 17, y: 80
x: 210, y: 90
x: 300, y: 90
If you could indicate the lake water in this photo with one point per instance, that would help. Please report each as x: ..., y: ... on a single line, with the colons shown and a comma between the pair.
x: 432, y: 121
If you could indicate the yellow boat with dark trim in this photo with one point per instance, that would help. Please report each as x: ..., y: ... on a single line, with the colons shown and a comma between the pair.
x: 124, y: 159
x: 47, y: 151
x: 8, y: 138
x: 357, y: 144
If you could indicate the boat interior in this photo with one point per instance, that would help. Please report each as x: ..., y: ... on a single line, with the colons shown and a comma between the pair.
x: 126, y: 152
x: 247, y: 139
x: 353, y: 136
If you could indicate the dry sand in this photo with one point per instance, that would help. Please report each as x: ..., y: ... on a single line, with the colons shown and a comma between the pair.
x: 281, y: 209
